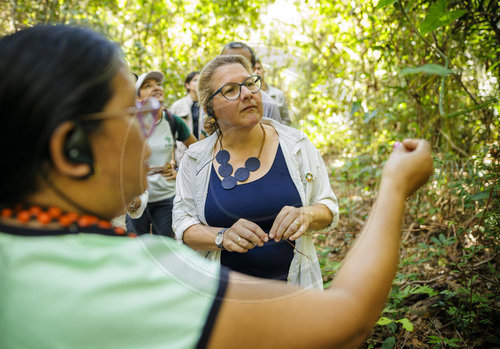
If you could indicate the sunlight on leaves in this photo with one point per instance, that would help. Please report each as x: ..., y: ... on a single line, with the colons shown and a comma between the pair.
x: 384, y: 3
x: 438, y: 17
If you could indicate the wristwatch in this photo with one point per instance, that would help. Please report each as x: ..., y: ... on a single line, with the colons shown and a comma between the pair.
x: 219, y: 238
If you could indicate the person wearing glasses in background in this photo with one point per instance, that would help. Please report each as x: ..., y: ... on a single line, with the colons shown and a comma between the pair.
x: 251, y: 193
x: 161, y: 176
x: 270, y: 107
x: 71, y: 280
x: 275, y: 93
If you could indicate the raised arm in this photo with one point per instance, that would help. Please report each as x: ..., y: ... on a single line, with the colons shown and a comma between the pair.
x: 263, y: 314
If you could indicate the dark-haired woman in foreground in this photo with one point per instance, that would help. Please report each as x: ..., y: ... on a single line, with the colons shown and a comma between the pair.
x: 73, y: 140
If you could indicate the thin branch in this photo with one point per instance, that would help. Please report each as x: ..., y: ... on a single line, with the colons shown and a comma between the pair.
x: 458, y: 78
x: 422, y: 281
x: 471, y: 109
x: 453, y: 144
x: 485, y: 261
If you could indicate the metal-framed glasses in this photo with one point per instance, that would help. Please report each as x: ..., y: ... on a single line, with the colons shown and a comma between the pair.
x: 146, y: 113
x: 232, y: 90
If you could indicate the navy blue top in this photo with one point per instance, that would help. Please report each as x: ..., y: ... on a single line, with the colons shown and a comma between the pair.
x: 259, y: 201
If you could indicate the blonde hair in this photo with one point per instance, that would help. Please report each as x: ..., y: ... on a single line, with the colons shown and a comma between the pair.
x: 205, y: 89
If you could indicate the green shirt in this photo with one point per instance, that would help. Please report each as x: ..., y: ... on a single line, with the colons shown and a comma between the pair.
x: 97, y: 291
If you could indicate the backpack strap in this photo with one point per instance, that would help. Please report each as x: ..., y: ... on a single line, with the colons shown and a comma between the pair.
x: 173, y: 125
x: 173, y: 128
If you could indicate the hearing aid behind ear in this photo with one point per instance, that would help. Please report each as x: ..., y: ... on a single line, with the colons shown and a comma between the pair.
x: 210, y: 112
x: 77, y: 149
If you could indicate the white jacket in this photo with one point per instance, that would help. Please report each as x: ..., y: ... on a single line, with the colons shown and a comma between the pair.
x: 301, y: 157
x: 182, y: 108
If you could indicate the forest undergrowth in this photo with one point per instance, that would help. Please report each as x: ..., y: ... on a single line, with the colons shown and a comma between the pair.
x: 446, y: 291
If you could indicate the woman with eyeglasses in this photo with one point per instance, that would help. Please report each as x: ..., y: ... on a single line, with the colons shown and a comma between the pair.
x: 74, y: 144
x: 252, y: 193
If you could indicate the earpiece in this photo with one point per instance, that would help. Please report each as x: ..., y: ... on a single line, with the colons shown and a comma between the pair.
x: 77, y: 149
x: 210, y: 112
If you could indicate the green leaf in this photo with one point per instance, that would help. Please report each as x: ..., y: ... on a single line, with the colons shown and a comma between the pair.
x: 434, y: 69
x: 435, y: 240
x: 384, y: 3
x: 388, y: 343
x: 369, y: 116
x: 435, y: 340
x: 355, y: 107
x: 384, y: 321
x: 438, y: 17
x: 480, y: 196
x: 407, y: 325
x: 424, y: 289
x: 432, y: 20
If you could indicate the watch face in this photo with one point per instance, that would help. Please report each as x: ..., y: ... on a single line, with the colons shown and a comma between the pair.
x: 218, y: 239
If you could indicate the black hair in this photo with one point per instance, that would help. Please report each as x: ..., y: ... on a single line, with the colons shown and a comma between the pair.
x: 49, y: 74
x: 190, y: 77
x: 237, y: 44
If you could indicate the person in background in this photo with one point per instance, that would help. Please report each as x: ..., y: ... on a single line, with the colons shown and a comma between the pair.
x: 188, y: 109
x: 276, y: 94
x: 270, y: 107
x: 69, y: 280
x: 257, y: 218
x: 161, y: 177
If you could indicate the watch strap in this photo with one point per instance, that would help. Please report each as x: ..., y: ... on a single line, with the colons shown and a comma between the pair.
x: 221, y: 233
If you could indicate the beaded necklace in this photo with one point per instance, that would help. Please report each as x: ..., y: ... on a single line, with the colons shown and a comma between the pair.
x: 241, y: 174
x: 69, y: 222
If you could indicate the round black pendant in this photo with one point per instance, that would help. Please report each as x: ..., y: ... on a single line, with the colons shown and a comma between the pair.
x: 225, y: 170
x: 228, y: 182
x: 222, y: 156
x: 252, y: 164
x: 241, y: 174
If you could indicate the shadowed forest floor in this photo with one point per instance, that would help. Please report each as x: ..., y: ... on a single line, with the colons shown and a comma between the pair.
x: 446, y: 293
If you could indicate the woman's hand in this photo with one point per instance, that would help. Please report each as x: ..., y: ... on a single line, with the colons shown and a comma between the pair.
x: 409, y: 166
x: 243, y: 236
x: 291, y: 223
x: 169, y: 173
x: 135, y: 204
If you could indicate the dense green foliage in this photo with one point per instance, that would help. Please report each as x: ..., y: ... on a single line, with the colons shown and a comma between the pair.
x: 360, y: 75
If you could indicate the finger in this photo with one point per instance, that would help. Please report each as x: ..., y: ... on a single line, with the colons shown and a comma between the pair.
x: 410, y: 144
x: 253, y: 233
x: 293, y: 228
x: 244, y: 243
x: 249, y: 231
x: 289, y: 225
x: 231, y: 246
x: 423, y: 145
x: 298, y: 233
x: 416, y: 144
x: 278, y: 222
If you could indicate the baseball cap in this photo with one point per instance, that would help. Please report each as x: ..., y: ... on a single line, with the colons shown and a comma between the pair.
x: 151, y: 75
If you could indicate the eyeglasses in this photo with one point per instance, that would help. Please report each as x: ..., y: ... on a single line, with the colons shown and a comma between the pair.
x: 145, y: 111
x: 232, y: 90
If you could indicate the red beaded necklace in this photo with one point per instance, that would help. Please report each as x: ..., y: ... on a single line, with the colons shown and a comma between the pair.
x: 64, y: 219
